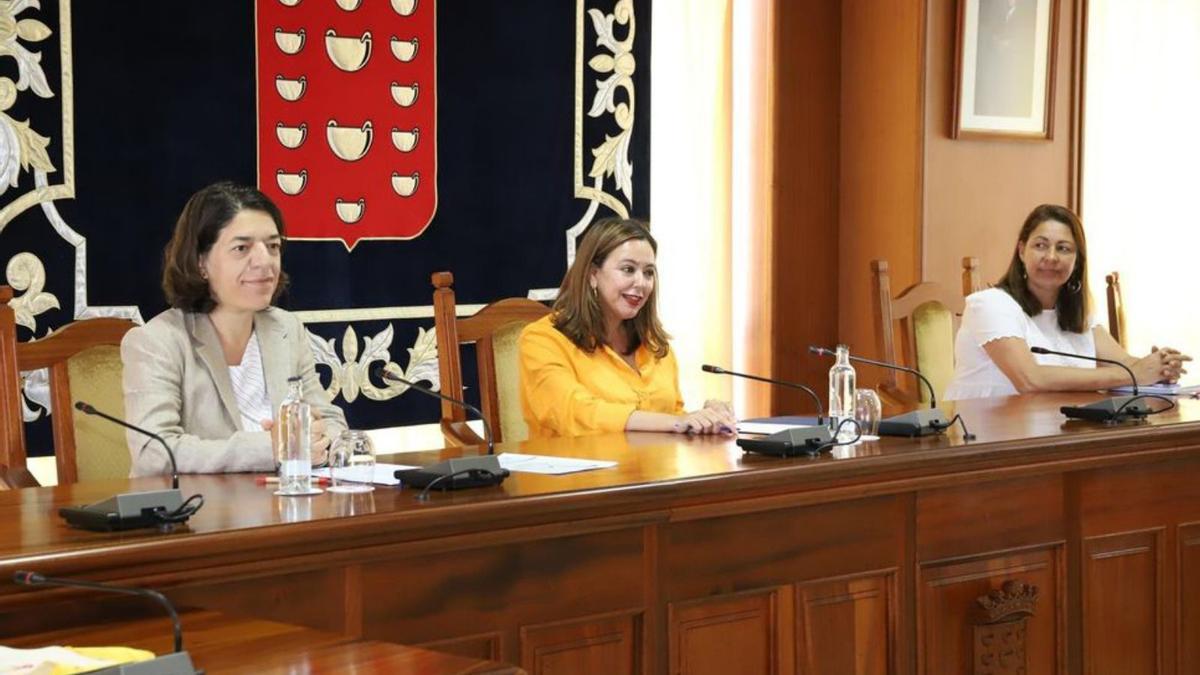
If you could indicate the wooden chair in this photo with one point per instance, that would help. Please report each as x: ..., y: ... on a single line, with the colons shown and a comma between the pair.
x: 84, y: 361
x: 1116, y: 308
x: 494, y: 331
x: 971, y: 282
x: 12, y: 426
x: 928, y: 315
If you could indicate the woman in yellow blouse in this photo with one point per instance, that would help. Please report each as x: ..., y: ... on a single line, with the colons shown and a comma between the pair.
x: 600, y: 361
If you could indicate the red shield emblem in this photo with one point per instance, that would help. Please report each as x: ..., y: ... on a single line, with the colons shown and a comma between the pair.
x: 347, y: 137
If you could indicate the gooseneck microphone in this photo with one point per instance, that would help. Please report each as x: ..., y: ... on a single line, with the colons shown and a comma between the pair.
x: 1097, y: 359
x: 87, y: 409
x: 717, y: 370
x: 130, y: 510
x: 1110, y: 410
x: 452, y: 474
x: 487, y: 428
x: 177, y: 662
x: 790, y: 442
x: 915, y: 423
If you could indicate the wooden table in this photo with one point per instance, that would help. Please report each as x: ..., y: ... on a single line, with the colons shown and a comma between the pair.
x: 691, y: 557
x: 220, y: 644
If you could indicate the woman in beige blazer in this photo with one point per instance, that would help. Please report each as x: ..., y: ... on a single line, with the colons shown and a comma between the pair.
x: 208, y: 374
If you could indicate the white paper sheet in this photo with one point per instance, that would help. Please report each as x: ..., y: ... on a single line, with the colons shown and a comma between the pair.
x: 384, y: 473
x: 549, y: 465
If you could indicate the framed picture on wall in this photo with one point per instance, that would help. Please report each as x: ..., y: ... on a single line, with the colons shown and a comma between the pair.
x: 1004, y: 70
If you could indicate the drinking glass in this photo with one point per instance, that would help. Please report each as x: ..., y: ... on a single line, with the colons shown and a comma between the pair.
x: 868, y: 410
x: 352, y: 463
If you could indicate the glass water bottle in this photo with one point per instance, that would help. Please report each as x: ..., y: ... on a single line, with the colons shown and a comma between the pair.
x: 295, y: 443
x: 841, y: 395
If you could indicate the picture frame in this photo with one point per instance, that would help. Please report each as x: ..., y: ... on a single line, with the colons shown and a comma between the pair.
x: 1004, y: 69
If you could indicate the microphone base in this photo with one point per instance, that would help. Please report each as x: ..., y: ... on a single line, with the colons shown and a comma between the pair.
x: 126, y: 511
x: 482, y: 471
x: 1105, y: 410
x: 924, y: 422
x: 789, y: 442
x: 176, y: 663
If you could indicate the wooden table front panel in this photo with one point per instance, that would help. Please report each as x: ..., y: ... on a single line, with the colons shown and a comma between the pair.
x: 692, y: 558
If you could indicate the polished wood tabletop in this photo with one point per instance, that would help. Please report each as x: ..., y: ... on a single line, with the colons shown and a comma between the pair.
x: 220, y: 644
x: 691, y: 469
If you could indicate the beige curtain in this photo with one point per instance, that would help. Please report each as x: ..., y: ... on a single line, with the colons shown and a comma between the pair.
x: 711, y: 178
x: 690, y: 186
x: 1141, y: 141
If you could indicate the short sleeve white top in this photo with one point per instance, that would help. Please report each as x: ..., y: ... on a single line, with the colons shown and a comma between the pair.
x: 992, y: 314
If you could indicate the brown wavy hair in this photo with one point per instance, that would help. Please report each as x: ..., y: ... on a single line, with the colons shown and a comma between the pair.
x: 577, y: 312
x: 1072, y: 306
x: 204, y: 216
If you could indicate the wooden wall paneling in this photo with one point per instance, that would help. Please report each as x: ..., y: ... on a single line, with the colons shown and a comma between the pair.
x: 848, y: 625
x: 504, y: 588
x: 948, y: 610
x: 978, y: 191
x: 1189, y: 598
x: 1140, y: 497
x: 1123, y: 603
x: 746, y: 633
x: 773, y: 548
x: 880, y: 172
x: 999, y: 515
x: 609, y: 644
x: 313, y: 598
x: 478, y: 646
x: 805, y: 260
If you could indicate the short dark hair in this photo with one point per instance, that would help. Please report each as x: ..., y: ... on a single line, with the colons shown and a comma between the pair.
x: 204, y: 216
x: 1074, y: 298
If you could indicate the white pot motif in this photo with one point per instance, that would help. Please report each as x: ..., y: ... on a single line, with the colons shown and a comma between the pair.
x: 289, y: 43
x: 291, y: 137
x: 404, y: 50
x: 404, y: 7
x: 404, y: 94
x: 348, y: 53
x: 349, y: 143
x: 405, y: 186
x: 350, y: 212
x: 291, y: 183
x: 405, y: 141
x: 291, y: 90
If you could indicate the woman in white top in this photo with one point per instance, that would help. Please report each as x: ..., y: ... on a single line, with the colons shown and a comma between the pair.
x: 209, y: 374
x: 1043, y: 301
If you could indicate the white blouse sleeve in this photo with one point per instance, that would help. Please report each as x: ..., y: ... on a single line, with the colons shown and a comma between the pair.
x: 993, y: 314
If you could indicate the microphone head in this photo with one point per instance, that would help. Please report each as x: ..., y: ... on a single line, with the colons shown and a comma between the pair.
x: 84, y: 407
x: 712, y: 369
x: 1039, y: 350
x: 26, y: 578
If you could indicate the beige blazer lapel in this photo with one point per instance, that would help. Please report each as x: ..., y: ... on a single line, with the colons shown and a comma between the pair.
x: 275, y: 346
x: 208, y: 346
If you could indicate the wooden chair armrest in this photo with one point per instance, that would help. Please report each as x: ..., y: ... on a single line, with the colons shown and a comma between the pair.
x: 15, y: 478
x: 458, y: 434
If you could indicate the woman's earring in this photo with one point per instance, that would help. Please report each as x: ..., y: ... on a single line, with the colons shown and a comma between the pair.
x: 1074, y: 285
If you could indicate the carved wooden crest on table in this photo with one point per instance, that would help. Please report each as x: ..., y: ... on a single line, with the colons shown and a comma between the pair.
x: 1001, y: 628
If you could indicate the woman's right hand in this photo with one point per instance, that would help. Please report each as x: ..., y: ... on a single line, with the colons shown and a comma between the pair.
x: 1151, y: 368
x: 707, y: 421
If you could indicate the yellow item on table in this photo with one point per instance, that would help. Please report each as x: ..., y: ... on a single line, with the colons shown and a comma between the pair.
x: 66, y: 660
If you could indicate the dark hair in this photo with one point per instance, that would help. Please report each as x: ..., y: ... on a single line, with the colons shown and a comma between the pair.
x: 204, y: 216
x: 1074, y: 297
x: 577, y: 312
